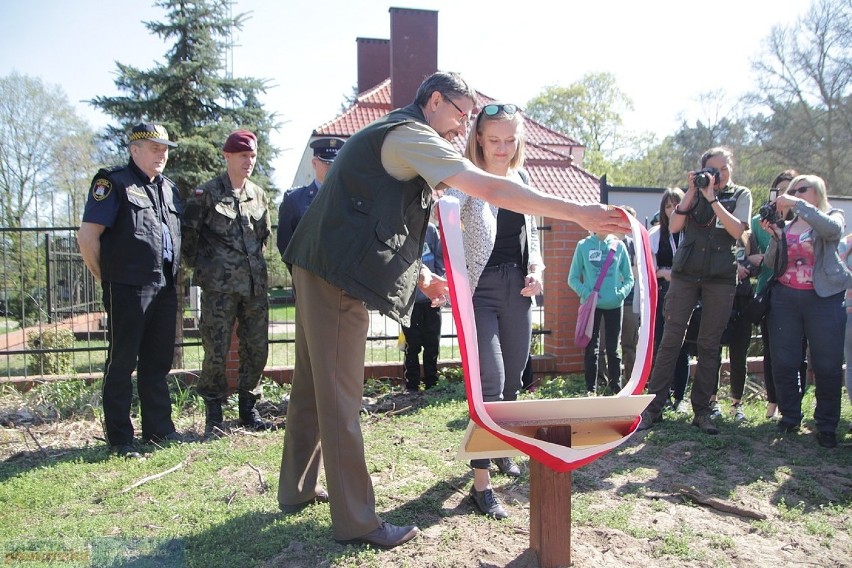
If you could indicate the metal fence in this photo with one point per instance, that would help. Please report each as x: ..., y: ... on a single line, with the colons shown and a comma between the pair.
x: 55, y: 325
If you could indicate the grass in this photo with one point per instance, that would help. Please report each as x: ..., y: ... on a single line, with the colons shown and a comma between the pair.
x: 218, y: 508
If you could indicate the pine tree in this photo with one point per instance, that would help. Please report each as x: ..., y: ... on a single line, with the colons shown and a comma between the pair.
x: 192, y: 95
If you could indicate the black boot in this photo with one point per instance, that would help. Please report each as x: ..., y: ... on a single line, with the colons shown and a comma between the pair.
x: 212, y: 418
x: 249, y: 416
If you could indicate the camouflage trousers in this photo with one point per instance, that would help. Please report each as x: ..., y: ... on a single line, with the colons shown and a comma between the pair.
x: 219, y: 312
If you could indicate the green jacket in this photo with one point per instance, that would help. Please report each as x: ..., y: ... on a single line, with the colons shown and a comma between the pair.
x: 589, y: 257
x: 364, y: 232
x: 706, y: 252
x: 225, y: 236
x: 762, y: 239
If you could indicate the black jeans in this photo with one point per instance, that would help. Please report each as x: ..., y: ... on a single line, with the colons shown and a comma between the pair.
x: 141, y: 336
x: 612, y: 338
x: 425, y: 334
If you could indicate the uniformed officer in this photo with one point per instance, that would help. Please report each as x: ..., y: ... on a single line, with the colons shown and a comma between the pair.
x: 296, y: 200
x: 225, y: 232
x: 130, y: 240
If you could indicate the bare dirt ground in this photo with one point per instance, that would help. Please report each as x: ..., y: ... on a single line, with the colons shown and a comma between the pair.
x: 629, y: 507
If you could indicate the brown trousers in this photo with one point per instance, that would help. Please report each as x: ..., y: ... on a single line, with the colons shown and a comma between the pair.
x: 323, y: 416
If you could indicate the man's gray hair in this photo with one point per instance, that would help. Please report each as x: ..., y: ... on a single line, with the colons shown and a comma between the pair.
x: 448, y: 83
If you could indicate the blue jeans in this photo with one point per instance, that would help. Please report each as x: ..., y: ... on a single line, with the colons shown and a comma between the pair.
x: 848, y: 355
x: 792, y: 314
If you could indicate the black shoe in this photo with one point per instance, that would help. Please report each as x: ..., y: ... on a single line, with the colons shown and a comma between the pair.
x: 126, y: 451
x: 507, y: 467
x: 787, y: 427
x: 170, y: 438
x: 827, y: 439
x: 249, y: 416
x: 386, y: 536
x: 321, y: 497
x: 648, y: 421
x: 213, y: 420
x: 705, y: 424
x: 487, y: 504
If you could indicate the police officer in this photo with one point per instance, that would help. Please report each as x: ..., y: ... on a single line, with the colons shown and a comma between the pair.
x: 130, y: 239
x: 225, y: 232
x: 297, y: 200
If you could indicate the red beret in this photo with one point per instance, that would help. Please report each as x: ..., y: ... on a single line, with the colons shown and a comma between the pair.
x: 240, y: 141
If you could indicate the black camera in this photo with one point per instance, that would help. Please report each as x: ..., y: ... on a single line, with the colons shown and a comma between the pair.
x: 706, y: 176
x: 769, y: 212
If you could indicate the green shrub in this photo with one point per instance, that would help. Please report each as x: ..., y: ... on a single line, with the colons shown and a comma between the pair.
x: 50, y: 363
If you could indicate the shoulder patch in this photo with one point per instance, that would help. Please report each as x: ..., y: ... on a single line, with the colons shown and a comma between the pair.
x: 101, y: 189
x: 199, y: 191
x: 136, y: 191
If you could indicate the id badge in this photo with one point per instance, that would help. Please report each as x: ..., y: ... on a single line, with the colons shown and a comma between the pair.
x: 594, y: 256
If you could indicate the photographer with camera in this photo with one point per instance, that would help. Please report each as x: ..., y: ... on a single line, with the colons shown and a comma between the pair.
x: 811, y: 282
x: 712, y: 215
x: 769, y: 210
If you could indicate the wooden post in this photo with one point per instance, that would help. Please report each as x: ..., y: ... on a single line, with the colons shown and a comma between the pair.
x: 550, y: 505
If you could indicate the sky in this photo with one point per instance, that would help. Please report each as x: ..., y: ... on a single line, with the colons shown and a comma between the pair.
x: 663, y: 53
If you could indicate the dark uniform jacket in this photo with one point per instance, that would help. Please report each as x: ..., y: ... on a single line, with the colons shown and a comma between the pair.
x: 364, y: 231
x: 132, y: 247
x: 225, y: 236
x: 291, y: 211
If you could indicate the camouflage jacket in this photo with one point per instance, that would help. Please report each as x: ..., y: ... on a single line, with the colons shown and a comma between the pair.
x: 224, y: 237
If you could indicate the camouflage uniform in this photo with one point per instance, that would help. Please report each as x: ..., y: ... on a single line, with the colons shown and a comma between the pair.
x: 225, y: 234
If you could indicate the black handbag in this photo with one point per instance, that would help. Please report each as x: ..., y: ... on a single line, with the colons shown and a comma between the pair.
x: 758, y: 307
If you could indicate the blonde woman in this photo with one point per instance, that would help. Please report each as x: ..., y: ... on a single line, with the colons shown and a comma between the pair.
x: 808, y: 300
x: 505, y: 270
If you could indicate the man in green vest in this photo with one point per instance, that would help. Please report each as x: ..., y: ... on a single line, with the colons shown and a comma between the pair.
x: 360, y: 244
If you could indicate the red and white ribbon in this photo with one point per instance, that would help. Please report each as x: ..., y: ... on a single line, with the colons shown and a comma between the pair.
x: 557, y: 457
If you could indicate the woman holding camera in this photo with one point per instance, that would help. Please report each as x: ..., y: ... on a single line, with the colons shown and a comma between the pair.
x: 762, y: 239
x: 712, y: 215
x: 808, y: 300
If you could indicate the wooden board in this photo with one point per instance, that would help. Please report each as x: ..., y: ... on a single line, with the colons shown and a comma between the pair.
x: 593, y: 421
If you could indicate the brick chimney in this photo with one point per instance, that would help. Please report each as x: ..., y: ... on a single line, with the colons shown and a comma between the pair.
x: 413, y: 52
x: 373, y: 62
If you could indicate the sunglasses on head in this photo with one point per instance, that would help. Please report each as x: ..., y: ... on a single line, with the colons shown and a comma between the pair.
x: 493, y: 109
x: 799, y: 190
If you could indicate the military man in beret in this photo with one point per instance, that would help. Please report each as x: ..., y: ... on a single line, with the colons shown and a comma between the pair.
x: 226, y: 227
x: 297, y: 200
x: 130, y: 239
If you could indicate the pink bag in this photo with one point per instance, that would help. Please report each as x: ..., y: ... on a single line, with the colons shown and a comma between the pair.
x: 586, y: 321
x: 586, y: 313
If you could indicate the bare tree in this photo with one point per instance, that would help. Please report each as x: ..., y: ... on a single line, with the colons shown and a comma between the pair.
x: 36, y: 123
x: 804, y: 88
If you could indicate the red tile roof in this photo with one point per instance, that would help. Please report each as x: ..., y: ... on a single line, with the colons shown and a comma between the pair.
x: 548, y: 159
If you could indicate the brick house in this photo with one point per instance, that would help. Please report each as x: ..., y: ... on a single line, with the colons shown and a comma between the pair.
x: 389, y: 72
